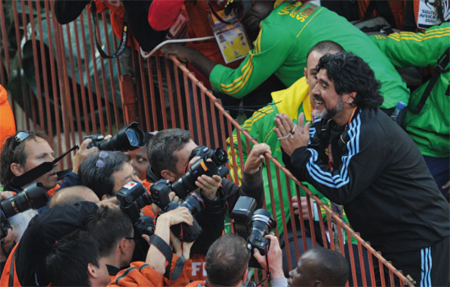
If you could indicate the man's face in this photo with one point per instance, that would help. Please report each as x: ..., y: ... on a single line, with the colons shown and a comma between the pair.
x: 324, y: 93
x: 183, y: 157
x: 300, y: 276
x: 310, y: 75
x: 123, y: 176
x: 39, y: 151
x: 139, y: 161
x: 129, y: 250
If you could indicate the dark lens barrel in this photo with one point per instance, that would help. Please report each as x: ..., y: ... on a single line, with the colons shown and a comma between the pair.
x: 33, y: 196
x: 194, y: 203
x: 220, y: 156
x: 128, y: 138
x: 263, y: 221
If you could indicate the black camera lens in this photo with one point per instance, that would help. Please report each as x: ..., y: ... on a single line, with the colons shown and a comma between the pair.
x: 194, y: 203
x: 33, y: 196
x: 219, y: 156
x: 263, y: 222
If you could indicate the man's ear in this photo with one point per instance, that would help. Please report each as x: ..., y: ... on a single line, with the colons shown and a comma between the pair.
x: 305, y: 73
x: 245, y: 274
x: 167, y: 174
x: 17, y: 169
x: 92, y: 271
x: 318, y: 283
x: 351, y: 97
x: 123, y: 244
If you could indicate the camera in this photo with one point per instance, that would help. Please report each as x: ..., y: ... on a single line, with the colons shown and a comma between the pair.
x: 132, y: 197
x: 253, y: 225
x: 187, y: 233
x: 127, y: 138
x: 160, y: 192
x: 186, y: 183
x: 33, y: 196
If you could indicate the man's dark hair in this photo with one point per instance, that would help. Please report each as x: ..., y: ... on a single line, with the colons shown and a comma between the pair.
x: 162, y: 147
x: 108, y: 226
x: 99, y: 177
x: 15, y: 154
x: 68, y: 260
x: 227, y: 260
x: 326, y: 47
x: 351, y: 74
x: 330, y: 267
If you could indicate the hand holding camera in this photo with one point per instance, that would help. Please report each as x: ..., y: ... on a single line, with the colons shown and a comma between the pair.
x: 274, y: 258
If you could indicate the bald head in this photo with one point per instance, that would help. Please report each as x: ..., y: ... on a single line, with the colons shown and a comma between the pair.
x: 72, y: 195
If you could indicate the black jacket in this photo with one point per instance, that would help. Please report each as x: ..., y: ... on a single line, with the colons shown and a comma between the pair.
x: 380, y: 178
x: 42, y: 233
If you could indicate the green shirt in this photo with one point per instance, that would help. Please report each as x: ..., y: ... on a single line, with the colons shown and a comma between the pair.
x: 430, y: 129
x: 285, y: 38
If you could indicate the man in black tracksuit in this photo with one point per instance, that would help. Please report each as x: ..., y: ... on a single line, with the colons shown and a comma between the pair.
x: 361, y: 159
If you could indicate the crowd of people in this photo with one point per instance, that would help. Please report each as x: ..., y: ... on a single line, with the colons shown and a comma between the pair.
x: 155, y: 214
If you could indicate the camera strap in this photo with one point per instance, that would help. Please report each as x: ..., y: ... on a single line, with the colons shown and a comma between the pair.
x: 123, y: 38
x: 164, y: 248
x: 40, y: 170
x: 440, y: 68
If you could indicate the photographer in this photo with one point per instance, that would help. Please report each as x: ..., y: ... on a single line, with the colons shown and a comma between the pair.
x: 227, y: 262
x: 26, y: 262
x: 23, y: 156
x: 169, y: 153
x: 87, y: 260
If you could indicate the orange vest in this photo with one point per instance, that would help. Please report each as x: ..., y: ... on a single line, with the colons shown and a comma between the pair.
x: 7, y: 124
x: 10, y: 269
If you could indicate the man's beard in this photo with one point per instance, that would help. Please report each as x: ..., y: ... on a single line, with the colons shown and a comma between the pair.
x: 327, y: 113
x: 337, y: 109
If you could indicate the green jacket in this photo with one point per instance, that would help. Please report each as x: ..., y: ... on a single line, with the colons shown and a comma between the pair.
x: 285, y: 38
x: 430, y: 129
x: 260, y: 126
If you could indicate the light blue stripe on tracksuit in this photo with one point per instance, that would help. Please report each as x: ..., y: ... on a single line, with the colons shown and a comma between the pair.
x: 426, y: 264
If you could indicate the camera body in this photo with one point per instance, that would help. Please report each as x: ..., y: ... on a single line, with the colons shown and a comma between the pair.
x: 253, y: 225
x: 211, y: 162
x: 33, y: 196
x: 132, y: 197
x: 187, y: 233
x: 127, y: 138
x: 160, y: 192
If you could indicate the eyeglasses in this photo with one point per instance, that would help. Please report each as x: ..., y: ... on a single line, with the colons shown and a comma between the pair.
x: 20, y: 137
x: 102, y: 155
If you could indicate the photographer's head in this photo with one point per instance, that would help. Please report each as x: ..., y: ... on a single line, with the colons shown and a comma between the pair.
x: 113, y: 230
x: 169, y: 153
x: 75, y: 261
x: 73, y: 194
x: 320, y: 267
x: 227, y: 261
x: 105, y: 172
x: 23, y: 152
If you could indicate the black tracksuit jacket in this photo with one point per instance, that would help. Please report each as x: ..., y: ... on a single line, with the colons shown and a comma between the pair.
x: 381, y: 179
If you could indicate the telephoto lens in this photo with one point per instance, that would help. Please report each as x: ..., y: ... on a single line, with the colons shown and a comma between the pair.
x: 33, y: 196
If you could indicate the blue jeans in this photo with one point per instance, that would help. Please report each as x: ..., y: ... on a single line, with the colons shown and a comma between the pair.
x: 440, y: 170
